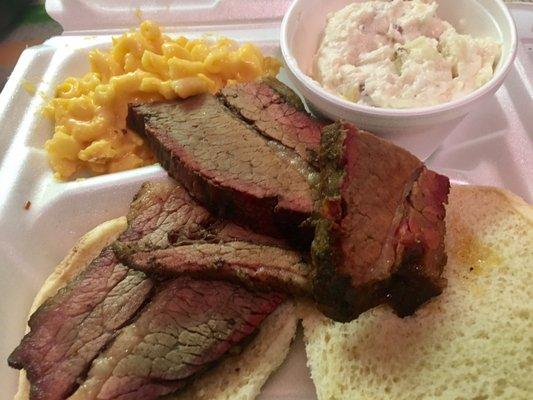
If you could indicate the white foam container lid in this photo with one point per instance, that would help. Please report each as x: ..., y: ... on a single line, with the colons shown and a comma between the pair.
x: 491, y: 147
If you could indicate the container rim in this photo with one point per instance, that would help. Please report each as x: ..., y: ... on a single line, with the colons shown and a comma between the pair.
x: 313, y: 86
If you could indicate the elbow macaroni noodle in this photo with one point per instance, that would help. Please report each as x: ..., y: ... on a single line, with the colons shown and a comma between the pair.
x: 143, y: 65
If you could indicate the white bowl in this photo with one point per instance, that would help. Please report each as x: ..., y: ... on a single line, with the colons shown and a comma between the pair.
x: 420, y: 130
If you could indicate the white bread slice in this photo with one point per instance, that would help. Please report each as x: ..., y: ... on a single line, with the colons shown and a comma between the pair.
x: 474, y: 341
x: 236, y: 377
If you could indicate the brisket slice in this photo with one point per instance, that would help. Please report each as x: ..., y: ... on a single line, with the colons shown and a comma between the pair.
x: 71, y: 328
x: 230, y: 168
x: 188, y: 241
x: 419, y: 244
x: 380, y: 235
x: 186, y: 327
x: 68, y: 331
x: 163, y: 214
x: 258, y: 267
x: 276, y: 112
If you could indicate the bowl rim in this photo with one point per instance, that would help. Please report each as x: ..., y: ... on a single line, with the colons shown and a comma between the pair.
x: 313, y: 86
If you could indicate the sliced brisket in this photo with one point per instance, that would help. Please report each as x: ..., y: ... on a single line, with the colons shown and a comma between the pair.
x: 258, y: 267
x: 68, y: 331
x: 276, y: 112
x: 419, y: 244
x: 380, y: 237
x: 163, y: 214
x: 211, y: 249
x: 228, y: 166
x: 186, y: 327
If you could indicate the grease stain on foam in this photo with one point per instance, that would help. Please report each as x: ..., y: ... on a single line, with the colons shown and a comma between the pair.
x: 138, y: 14
x: 29, y: 86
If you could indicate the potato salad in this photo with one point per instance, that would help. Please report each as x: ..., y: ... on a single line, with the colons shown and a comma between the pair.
x: 400, y: 54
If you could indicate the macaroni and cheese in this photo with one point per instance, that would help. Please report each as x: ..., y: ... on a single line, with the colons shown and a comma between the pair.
x: 143, y: 65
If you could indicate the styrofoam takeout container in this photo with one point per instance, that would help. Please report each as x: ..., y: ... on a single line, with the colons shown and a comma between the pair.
x: 420, y: 130
x: 490, y: 146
